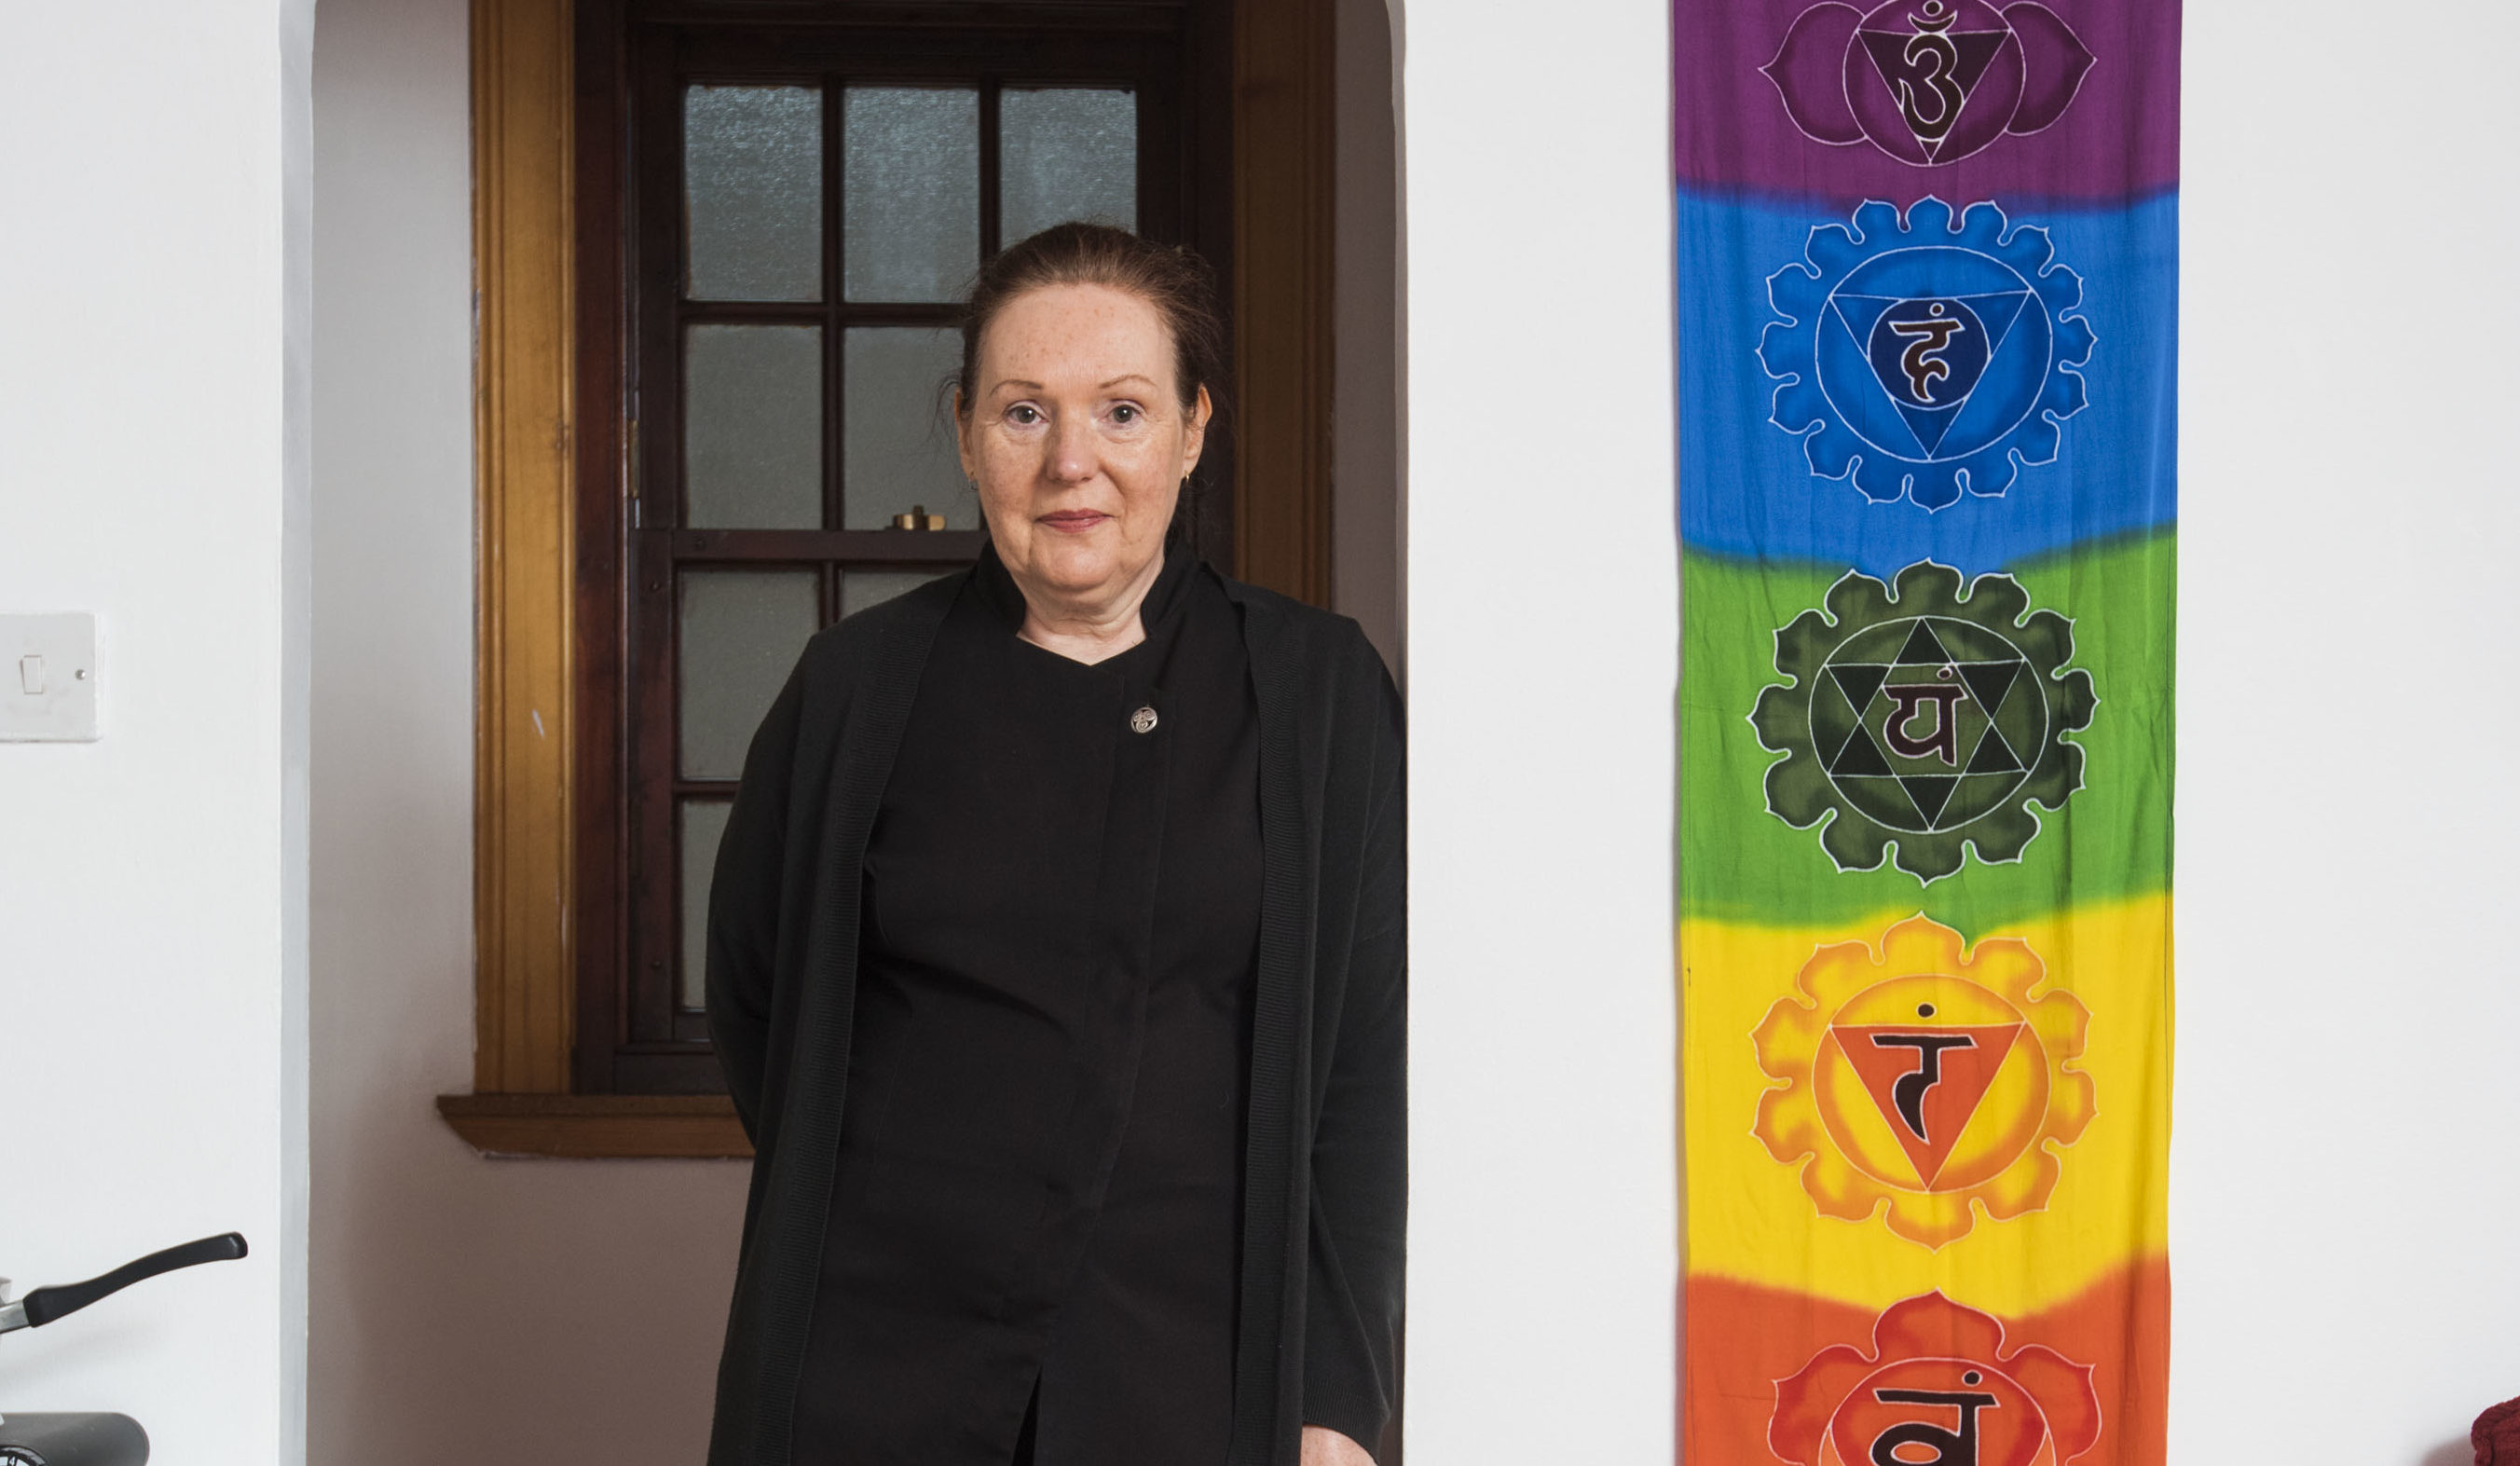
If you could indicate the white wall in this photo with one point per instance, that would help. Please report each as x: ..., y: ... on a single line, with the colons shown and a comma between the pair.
x: 2346, y: 1164
x: 2347, y: 1155
x: 2342, y: 1279
x: 152, y: 884
x: 1544, y: 1224
x: 523, y: 1310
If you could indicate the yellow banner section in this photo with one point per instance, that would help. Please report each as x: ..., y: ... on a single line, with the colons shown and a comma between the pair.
x: 1877, y: 1111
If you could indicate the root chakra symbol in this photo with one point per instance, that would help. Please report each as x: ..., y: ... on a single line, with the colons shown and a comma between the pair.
x: 1926, y: 1076
x: 1939, y: 1378
x: 1927, y: 81
x: 1923, y: 718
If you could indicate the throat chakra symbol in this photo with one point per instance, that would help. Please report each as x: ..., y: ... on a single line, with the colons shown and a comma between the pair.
x: 1925, y: 1077
x: 1925, y: 361
x: 1927, y: 81
x: 1925, y: 717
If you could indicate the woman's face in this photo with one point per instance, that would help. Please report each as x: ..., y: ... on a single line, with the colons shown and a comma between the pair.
x: 1078, y: 440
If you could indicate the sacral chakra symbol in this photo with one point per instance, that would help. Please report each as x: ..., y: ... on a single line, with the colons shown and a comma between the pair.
x: 1926, y: 1076
x: 1940, y: 1380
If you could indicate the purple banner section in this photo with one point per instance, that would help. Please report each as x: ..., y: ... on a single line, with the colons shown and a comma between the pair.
x: 2063, y: 101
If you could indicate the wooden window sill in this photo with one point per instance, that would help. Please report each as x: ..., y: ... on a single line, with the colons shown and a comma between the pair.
x: 599, y: 1126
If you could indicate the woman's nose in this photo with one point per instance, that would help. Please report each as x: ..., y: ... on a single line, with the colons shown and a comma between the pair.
x: 1072, y: 459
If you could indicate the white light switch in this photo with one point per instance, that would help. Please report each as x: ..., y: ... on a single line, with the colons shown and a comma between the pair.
x: 53, y: 697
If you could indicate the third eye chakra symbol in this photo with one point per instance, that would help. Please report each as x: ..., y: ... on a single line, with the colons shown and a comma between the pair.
x: 1923, y: 718
x: 1927, y: 81
x: 1922, y: 360
x: 1927, y: 1076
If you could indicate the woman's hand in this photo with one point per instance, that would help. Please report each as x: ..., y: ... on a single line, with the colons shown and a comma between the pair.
x: 1323, y: 1446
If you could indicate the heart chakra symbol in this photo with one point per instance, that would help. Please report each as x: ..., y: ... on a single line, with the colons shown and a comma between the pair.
x: 1925, y: 361
x: 1925, y: 718
x: 1927, y: 81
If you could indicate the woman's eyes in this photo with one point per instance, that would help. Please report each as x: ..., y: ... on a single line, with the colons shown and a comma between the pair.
x: 1122, y: 415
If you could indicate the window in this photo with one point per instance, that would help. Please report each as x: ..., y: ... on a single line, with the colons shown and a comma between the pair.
x: 807, y: 203
x: 718, y: 245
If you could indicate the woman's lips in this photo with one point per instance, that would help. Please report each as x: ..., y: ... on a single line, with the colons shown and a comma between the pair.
x: 1073, y: 520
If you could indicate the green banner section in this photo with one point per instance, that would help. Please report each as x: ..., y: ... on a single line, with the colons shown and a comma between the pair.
x: 2063, y: 696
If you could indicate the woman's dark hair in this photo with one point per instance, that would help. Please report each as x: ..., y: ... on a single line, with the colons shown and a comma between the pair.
x: 1171, y: 278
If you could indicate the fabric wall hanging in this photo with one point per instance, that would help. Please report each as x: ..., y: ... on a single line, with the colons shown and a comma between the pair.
x: 1929, y: 303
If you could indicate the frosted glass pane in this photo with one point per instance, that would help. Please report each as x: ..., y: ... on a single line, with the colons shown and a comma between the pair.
x: 703, y: 826
x: 1066, y: 154
x: 753, y: 428
x: 742, y: 631
x: 860, y: 588
x: 911, y: 214
x: 896, y: 428
x: 752, y: 192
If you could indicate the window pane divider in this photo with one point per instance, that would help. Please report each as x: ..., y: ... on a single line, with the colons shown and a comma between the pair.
x: 851, y: 549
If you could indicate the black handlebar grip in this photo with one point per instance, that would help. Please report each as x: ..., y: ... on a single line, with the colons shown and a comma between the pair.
x: 44, y: 1304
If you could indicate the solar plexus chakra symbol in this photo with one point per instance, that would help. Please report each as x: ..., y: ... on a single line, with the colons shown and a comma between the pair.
x: 1927, y: 1076
x: 1925, y: 717
x: 1925, y: 361
x: 1927, y: 81
x: 1938, y: 1390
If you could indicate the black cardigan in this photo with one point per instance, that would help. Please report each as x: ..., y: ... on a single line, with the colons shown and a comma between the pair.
x: 1326, y: 1182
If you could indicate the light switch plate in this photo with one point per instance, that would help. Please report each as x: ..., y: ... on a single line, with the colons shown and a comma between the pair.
x: 48, y: 679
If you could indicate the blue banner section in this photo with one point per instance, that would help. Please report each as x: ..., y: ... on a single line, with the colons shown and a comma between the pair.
x: 1956, y: 384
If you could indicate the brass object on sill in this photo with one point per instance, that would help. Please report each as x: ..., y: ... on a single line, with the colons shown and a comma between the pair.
x: 918, y: 519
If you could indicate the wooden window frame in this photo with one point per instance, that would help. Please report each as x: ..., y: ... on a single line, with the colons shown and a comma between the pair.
x: 632, y: 1034
x: 539, y: 357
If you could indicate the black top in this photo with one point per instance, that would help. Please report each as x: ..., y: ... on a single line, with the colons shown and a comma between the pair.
x: 1324, y: 1175
x: 1039, y: 1172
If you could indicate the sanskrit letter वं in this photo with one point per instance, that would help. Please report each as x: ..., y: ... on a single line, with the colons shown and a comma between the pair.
x: 1951, y: 1448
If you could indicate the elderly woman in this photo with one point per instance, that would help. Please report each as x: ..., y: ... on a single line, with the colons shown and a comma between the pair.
x: 1056, y: 959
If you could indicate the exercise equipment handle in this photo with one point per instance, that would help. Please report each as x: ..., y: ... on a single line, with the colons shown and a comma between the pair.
x: 44, y: 1304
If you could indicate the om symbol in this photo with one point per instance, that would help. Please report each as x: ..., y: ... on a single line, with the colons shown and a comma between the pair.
x: 1931, y: 59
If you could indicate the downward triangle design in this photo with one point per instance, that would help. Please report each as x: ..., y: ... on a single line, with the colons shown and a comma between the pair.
x: 1860, y: 757
x: 1860, y: 681
x: 1993, y: 755
x: 1860, y: 314
x: 1930, y: 424
x: 1998, y: 313
x: 1931, y: 792
x: 1963, y: 1072
x: 1887, y: 50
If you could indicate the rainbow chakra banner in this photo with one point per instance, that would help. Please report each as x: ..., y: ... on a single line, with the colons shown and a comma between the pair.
x: 1928, y: 305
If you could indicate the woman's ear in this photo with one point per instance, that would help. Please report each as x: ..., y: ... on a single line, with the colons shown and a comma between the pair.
x: 1194, y: 437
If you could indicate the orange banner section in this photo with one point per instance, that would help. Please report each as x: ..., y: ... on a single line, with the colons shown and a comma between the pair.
x: 1774, y: 1375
